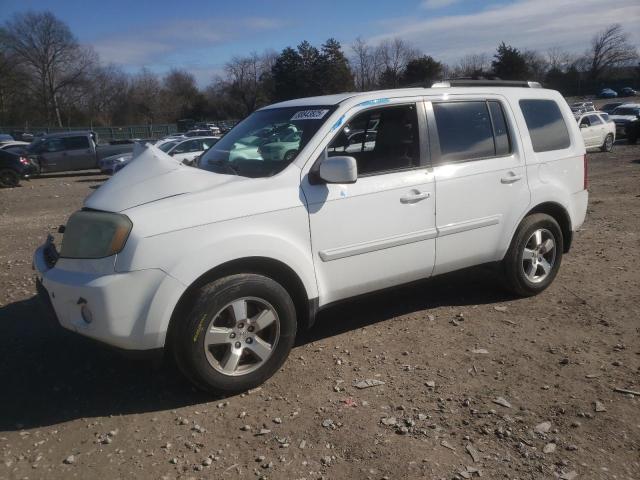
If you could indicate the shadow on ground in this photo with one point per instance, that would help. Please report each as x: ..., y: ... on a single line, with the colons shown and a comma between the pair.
x: 49, y: 375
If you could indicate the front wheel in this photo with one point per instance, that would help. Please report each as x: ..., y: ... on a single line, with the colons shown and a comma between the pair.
x: 238, y: 333
x: 607, y: 146
x: 534, y: 257
x: 9, y: 178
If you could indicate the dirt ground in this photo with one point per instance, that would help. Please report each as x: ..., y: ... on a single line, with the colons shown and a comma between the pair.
x: 476, y: 382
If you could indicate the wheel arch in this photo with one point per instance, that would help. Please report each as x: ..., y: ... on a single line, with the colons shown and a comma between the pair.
x: 269, y: 267
x: 560, y: 214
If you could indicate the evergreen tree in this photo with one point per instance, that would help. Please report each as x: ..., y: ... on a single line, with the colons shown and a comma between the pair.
x: 509, y: 63
x: 333, y: 69
x: 423, y: 70
x: 287, y: 71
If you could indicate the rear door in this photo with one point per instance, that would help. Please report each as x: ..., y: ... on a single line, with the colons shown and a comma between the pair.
x: 480, y: 179
x: 80, y: 153
x: 598, y: 130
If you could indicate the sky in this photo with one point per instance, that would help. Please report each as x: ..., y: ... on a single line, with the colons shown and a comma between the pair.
x: 200, y: 35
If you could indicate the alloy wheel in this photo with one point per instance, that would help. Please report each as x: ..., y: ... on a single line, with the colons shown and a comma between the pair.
x: 242, y: 336
x: 539, y: 255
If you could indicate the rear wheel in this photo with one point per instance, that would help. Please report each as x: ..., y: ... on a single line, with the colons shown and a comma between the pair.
x: 535, y: 254
x: 607, y: 146
x: 9, y: 178
x: 238, y: 333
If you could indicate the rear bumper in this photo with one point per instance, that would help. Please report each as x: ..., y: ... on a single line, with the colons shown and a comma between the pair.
x: 120, y: 303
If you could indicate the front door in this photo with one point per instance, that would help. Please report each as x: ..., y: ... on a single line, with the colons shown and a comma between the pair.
x: 589, y: 132
x: 379, y: 231
x: 52, y: 156
x: 480, y: 180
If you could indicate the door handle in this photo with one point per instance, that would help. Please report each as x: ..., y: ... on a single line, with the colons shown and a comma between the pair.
x: 414, y: 196
x: 512, y: 178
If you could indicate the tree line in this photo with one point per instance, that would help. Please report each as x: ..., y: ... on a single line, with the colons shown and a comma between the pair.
x: 47, y: 78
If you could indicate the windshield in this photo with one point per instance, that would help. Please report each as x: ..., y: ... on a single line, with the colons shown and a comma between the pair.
x: 265, y: 142
x: 165, y: 147
x: 626, y: 111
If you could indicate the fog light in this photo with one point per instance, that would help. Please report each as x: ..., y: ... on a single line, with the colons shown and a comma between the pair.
x: 85, y: 311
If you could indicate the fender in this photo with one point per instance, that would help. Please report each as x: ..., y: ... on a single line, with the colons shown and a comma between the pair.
x: 269, y: 236
x: 541, y: 192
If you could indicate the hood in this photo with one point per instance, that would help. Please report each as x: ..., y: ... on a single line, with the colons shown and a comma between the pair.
x: 152, y: 175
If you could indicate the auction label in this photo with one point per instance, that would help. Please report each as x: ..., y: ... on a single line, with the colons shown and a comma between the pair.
x: 309, y: 115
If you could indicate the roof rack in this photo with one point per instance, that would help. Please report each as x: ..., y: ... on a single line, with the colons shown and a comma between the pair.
x: 464, y: 82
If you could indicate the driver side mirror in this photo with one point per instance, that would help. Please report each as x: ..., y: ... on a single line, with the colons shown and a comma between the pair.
x: 340, y: 169
x: 583, y: 125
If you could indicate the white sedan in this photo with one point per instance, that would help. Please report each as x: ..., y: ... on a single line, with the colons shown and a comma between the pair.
x: 598, y: 131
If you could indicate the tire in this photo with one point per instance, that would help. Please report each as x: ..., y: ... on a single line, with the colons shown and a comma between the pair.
x: 9, y: 178
x: 214, y: 336
x: 290, y: 156
x: 528, y: 277
x: 607, y: 146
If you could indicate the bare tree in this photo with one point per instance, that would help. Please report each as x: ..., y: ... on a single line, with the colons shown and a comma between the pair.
x: 365, y: 64
x: 559, y: 59
x: 394, y: 56
x: 473, y: 65
x: 609, y: 48
x: 247, y: 77
x: 537, y: 65
x: 54, y: 58
x: 146, y: 97
x: 107, y: 88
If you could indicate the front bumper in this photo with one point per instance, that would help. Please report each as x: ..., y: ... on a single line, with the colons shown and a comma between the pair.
x: 120, y: 303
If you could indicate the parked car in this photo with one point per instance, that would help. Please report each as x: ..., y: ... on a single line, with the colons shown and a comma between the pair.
x: 59, y: 152
x: 198, y: 133
x: 610, y: 107
x: 628, y: 92
x: 623, y: 114
x: 597, y: 131
x: 211, y: 127
x: 14, y: 167
x: 607, y: 93
x: 632, y: 130
x: 226, y: 262
x: 108, y: 164
x: 185, y: 150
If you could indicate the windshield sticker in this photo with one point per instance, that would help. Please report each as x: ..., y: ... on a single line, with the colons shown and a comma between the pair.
x: 338, y: 123
x: 370, y: 103
x: 309, y: 115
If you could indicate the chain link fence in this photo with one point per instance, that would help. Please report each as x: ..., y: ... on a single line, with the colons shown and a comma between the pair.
x: 105, y: 134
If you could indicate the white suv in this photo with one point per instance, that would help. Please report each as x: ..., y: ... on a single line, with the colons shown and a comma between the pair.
x: 223, y: 263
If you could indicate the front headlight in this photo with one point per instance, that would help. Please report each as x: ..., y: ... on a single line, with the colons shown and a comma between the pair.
x: 91, y: 234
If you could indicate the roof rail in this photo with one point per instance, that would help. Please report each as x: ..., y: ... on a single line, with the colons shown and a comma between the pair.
x: 485, y: 83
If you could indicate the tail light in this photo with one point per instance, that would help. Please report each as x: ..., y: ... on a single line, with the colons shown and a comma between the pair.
x: 24, y: 161
x: 586, y: 172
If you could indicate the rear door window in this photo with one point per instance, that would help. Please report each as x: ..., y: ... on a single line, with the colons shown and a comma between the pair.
x: 471, y: 130
x: 76, y: 143
x: 547, y: 128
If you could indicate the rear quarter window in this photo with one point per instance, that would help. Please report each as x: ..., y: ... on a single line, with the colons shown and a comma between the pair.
x: 547, y: 128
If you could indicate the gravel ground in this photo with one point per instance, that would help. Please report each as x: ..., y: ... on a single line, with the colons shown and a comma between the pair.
x: 468, y: 380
